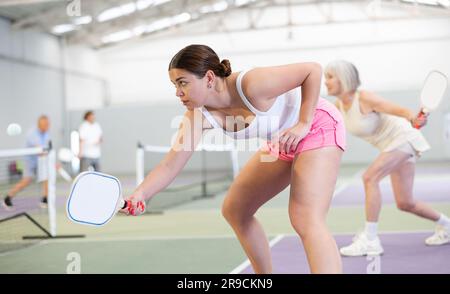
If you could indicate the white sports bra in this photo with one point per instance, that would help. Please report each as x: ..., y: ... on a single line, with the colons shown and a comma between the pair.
x: 283, y: 114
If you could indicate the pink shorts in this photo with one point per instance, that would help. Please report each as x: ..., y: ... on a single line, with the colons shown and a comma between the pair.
x: 327, y: 129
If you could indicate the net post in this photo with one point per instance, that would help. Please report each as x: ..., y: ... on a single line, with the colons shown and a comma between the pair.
x: 51, y: 193
x: 204, y: 179
x: 234, y: 161
x: 139, y: 164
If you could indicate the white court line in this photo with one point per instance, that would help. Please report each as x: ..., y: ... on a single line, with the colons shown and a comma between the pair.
x: 162, y: 238
x: 356, y: 178
x: 351, y: 180
x: 379, y: 233
x: 89, y: 239
x: 431, y: 177
x: 6, y: 253
x: 246, y: 263
x: 425, y: 178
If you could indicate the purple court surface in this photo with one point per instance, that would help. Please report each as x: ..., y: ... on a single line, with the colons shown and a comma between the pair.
x: 405, y: 253
x: 28, y: 204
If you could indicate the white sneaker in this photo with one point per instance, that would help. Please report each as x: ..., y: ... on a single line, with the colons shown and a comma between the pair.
x: 362, y: 246
x: 43, y: 203
x: 7, y: 204
x: 441, y: 236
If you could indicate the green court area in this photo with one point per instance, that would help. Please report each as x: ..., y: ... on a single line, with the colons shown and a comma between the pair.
x: 190, y: 238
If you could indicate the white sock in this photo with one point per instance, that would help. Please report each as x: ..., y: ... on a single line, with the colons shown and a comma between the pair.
x: 443, y: 221
x: 371, y: 230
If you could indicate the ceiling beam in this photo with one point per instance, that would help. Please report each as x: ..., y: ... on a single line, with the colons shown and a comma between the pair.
x: 25, y: 2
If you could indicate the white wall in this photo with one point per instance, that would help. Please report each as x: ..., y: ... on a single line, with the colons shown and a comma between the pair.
x: 33, y: 82
x: 85, y: 86
x: 393, y: 58
x: 125, y: 125
x: 30, y: 83
x: 391, y: 55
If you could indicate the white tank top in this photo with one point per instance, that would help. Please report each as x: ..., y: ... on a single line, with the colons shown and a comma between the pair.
x: 385, y: 132
x: 283, y: 114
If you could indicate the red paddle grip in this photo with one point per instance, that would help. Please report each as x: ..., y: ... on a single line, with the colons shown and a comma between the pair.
x: 421, y: 115
x: 126, y: 204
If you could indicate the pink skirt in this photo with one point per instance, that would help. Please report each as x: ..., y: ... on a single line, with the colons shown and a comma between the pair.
x: 327, y: 129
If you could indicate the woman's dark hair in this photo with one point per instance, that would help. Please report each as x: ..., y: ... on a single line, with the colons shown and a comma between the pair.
x: 198, y: 59
x: 87, y: 114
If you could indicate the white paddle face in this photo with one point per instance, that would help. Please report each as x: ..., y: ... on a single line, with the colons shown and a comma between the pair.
x: 433, y: 90
x: 94, y: 198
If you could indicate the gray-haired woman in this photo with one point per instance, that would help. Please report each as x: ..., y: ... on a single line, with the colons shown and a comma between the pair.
x: 389, y: 128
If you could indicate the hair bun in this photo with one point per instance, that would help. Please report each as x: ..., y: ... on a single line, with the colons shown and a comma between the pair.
x: 226, y: 67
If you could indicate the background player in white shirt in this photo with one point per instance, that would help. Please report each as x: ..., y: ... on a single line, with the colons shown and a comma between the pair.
x: 90, y: 143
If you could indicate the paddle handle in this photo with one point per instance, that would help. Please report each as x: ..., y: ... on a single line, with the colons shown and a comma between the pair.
x: 124, y: 204
x: 135, y: 210
x: 422, y: 114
